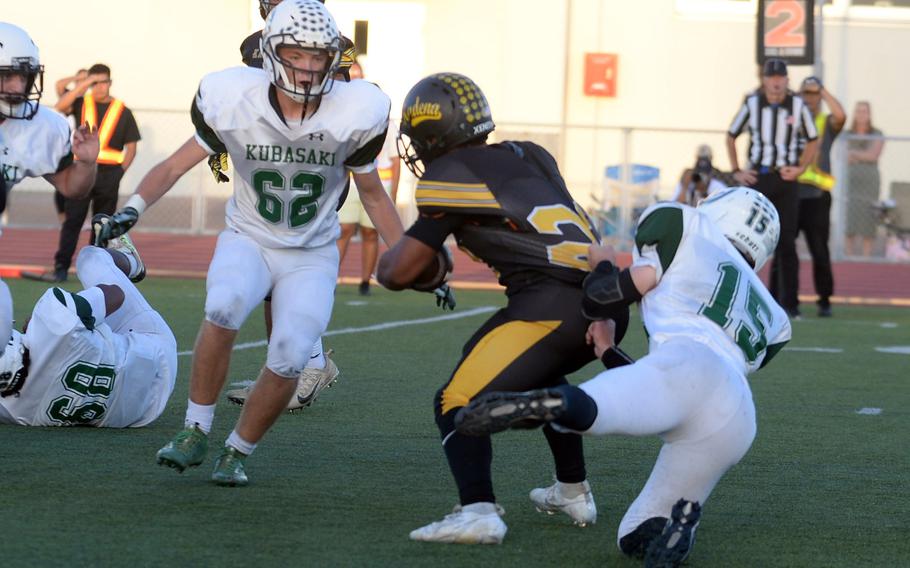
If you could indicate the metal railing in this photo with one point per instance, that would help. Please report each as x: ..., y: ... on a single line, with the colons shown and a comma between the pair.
x: 196, y: 204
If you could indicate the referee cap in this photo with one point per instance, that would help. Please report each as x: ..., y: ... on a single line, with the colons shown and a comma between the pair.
x: 774, y: 67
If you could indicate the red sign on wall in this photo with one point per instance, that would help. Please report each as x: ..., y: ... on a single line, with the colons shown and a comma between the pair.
x: 600, y: 74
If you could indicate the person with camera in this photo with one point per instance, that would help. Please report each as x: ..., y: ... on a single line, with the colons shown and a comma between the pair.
x: 697, y: 183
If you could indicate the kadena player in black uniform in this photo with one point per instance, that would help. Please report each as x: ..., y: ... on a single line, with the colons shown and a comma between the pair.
x: 507, y: 205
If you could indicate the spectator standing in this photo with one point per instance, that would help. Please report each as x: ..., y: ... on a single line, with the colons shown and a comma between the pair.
x: 815, y: 187
x: 62, y: 86
x: 777, y: 120
x: 90, y: 102
x: 352, y: 215
x: 863, y: 180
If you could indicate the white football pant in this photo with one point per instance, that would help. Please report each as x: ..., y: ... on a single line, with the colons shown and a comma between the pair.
x: 696, y: 401
x: 151, y: 349
x: 302, y: 284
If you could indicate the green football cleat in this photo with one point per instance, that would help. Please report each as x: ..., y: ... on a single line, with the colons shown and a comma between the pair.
x: 187, y: 449
x: 229, y: 468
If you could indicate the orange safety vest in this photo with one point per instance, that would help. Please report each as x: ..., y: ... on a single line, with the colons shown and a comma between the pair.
x: 106, y: 154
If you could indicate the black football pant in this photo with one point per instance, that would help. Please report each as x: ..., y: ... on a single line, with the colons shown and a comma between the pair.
x: 785, y: 264
x: 815, y: 224
x: 534, y: 342
x: 102, y: 199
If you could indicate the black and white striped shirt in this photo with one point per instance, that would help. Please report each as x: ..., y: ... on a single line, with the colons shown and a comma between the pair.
x: 775, y: 130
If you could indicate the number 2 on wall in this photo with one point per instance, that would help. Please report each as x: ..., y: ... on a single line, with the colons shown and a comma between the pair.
x: 789, y: 31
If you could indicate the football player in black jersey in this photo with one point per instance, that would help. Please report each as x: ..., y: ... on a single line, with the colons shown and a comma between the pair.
x: 508, y: 206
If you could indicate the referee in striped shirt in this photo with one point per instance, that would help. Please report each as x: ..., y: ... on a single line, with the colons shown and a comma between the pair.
x: 777, y: 119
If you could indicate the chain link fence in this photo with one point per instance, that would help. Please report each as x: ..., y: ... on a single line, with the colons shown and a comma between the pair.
x: 872, y: 199
x: 602, y: 167
x: 195, y: 205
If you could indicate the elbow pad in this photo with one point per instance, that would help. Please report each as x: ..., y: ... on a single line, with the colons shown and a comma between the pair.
x: 607, y: 291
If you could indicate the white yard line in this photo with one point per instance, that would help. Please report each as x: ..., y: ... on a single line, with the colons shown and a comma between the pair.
x: 375, y: 327
x: 869, y: 411
x: 815, y: 349
x: 896, y: 349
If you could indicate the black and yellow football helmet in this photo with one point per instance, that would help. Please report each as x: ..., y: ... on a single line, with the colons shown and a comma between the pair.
x: 441, y: 112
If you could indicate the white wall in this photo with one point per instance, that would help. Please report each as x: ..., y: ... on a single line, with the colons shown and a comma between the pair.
x: 157, y: 49
x: 679, y: 67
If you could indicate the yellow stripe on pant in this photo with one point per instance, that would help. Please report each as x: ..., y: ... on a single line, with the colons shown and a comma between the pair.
x: 497, y: 350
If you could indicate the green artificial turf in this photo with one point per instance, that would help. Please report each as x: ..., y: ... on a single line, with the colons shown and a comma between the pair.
x: 343, y: 482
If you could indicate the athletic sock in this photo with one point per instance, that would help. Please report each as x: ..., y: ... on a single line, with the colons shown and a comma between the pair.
x: 470, y: 459
x: 134, y: 266
x: 581, y: 410
x: 200, y: 415
x: 568, y: 455
x: 317, y: 357
x: 238, y: 443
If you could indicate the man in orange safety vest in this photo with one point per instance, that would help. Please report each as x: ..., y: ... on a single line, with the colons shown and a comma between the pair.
x: 91, y: 103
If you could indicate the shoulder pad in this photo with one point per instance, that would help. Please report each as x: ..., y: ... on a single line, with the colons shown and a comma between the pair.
x: 221, y: 96
x: 448, y: 185
x: 52, y: 120
x: 659, y: 206
x: 363, y: 103
x: 661, y: 226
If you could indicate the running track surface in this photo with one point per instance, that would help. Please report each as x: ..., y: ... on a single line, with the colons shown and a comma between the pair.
x: 188, y: 256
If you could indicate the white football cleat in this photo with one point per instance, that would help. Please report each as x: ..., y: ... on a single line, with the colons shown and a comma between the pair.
x: 477, y: 523
x: 309, y: 384
x: 573, y: 499
x: 123, y: 244
x: 312, y: 381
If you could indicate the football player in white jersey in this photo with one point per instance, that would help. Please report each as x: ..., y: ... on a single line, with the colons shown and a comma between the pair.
x: 35, y: 140
x: 710, y: 322
x: 99, y: 357
x: 293, y: 134
x: 317, y: 375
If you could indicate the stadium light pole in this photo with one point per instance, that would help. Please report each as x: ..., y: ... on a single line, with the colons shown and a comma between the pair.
x: 567, y: 46
x: 818, y: 66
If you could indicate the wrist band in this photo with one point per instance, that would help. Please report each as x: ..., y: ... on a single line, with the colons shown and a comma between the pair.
x: 615, y: 357
x: 136, y: 202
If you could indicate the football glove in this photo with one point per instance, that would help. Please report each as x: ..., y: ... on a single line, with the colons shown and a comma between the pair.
x: 218, y: 163
x: 445, y: 297
x: 121, y: 222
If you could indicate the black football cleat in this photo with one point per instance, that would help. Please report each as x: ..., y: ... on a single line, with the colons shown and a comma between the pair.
x: 675, y: 543
x: 52, y: 277
x: 497, y: 411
